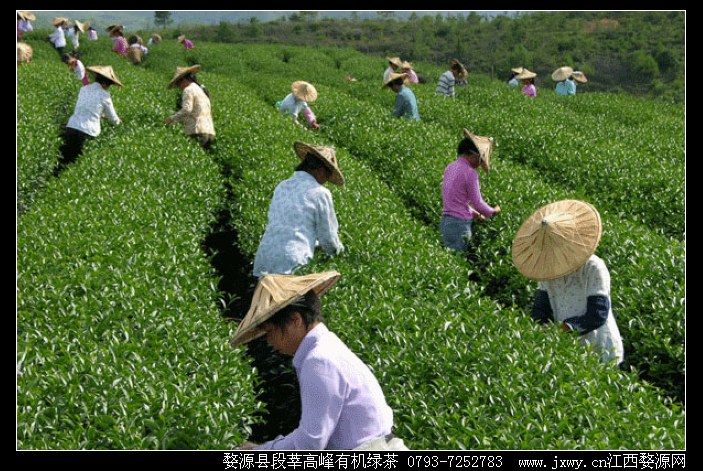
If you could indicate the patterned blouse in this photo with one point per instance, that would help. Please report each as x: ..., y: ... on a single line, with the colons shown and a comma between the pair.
x: 93, y: 102
x: 568, y: 299
x: 120, y: 47
x: 301, y: 214
x: 195, y: 111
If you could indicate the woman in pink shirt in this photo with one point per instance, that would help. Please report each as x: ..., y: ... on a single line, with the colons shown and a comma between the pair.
x: 528, y: 80
x: 187, y: 43
x: 120, y: 45
x: 461, y: 193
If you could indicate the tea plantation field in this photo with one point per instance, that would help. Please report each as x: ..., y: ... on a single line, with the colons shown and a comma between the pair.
x: 121, y: 340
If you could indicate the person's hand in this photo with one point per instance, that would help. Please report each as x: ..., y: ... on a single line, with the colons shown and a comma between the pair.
x: 315, y: 126
x: 168, y: 121
x: 497, y: 209
x: 247, y: 446
x: 565, y: 327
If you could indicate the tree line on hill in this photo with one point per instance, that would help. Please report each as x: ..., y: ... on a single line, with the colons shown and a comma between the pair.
x: 637, y: 52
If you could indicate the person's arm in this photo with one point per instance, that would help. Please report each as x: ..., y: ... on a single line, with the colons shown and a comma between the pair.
x: 475, y: 197
x: 597, y: 299
x: 310, y: 117
x: 186, y: 107
x: 110, y: 113
x: 327, y: 225
x: 542, y: 309
x: 400, y: 105
x: 321, y: 393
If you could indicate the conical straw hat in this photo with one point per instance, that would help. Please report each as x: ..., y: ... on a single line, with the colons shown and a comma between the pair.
x: 181, y: 72
x: 395, y: 61
x: 304, y: 91
x: 579, y: 76
x: 392, y: 76
x: 106, y: 71
x: 59, y: 20
x: 525, y: 74
x: 484, y: 146
x: 557, y: 239
x: 562, y: 73
x: 407, y: 65
x: 517, y: 70
x: 81, y: 26
x: 181, y: 38
x: 326, y: 154
x: 273, y: 293
x: 27, y: 15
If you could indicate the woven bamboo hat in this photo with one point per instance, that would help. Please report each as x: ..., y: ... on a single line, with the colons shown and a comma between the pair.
x: 27, y: 15
x: 392, y: 76
x: 156, y: 37
x: 562, y: 73
x: 484, y: 146
x: 59, y: 20
x: 112, y: 28
x: 395, y: 61
x: 324, y: 153
x: 106, y: 71
x: 579, y: 76
x: 517, y: 70
x: 557, y: 239
x: 181, y: 38
x: 525, y: 74
x: 407, y: 65
x: 81, y: 26
x: 182, y: 72
x: 273, y: 293
x: 304, y: 91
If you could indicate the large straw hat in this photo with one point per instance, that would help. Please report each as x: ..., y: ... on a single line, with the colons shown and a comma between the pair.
x: 395, y: 61
x: 517, y: 70
x: 59, y: 20
x: 407, y: 65
x: 182, y: 72
x: 525, y: 74
x: 181, y: 38
x: 484, y: 146
x: 326, y: 154
x: 392, y: 76
x: 112, y: 28
x: 81, y: 26
x: 304, y: 91
x: 106, y: 71
x: 273, y: 293
x: 579, y: 76
x: 27, y: 15
x: 557, y: 239
x: 562, y: 73
x: 24, y: 53
x: 156, y: 37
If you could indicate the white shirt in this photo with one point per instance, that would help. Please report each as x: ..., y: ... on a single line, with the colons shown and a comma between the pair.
x: 387, y: 73
x: 57, y: 38
x: 79, y: 70
x: 301, y: 213
x: 93, y: 102
x: 568, y: 297
x: 292, y: 105
x: 445, y: 85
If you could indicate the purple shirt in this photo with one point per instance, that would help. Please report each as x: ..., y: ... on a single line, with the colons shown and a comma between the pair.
x: 120, y: 47
x: 188, y: 44
x: 529, y: 90
x: 459, y: 188
x: 343, y: 405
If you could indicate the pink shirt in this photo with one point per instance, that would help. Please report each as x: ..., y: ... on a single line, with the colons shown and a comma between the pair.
x: 188, y: 44
x: 412, y: 76
x: 120, y: 46
x: 459, y: 188
x: 529, y: 90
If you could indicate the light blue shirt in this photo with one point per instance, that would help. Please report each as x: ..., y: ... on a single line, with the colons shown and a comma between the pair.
x: 292, y: 106
x: 58, y: 38
x: 301, y: 213
x: 343, y: 405
x: 567, y: 87
x: 406, y: 104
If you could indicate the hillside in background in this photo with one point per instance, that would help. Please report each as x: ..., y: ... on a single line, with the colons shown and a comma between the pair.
x: 642, y: 53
